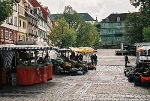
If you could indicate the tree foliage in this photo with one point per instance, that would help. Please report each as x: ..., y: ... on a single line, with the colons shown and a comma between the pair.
x: 69, y: 39
x: 133, y: 28
x: 144, y: 6
x: 5, y: 9
x: 79, y: 32
x: 137, y: 24
x: 73, y: 18
x: 144, y: 9
x: 146, y: 33
x: 87, y: 35
x: 60, y: 33
x: 145, y: 12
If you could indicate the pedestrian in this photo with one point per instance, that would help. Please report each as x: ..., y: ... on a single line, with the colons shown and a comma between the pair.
x: 92, y: 60
x: 1, y: 70
x: 72, y: 56
x: 81, y: 57
x: 77, y: 57
x: 95, y: 59
x: 126, y: 60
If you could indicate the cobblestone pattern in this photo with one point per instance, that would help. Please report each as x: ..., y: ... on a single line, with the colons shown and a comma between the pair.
x: 107, y: 82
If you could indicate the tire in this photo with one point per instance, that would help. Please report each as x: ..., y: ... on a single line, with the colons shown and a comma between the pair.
x: 143, y: 84
x: 137, y: 81
x: 129, y: 79
x: 125, y: 74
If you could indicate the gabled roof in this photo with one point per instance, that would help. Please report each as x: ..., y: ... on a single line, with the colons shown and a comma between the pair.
x: 85, y: 16
x: 55, y: 16
x: 113, y: 17
x: 35, y: 3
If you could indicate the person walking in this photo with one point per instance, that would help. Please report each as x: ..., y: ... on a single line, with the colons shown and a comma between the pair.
x: 126, y: 60
x: 1, y: 70
x: 92, y: 59
x: 81, y: 57
x: 95, y: 59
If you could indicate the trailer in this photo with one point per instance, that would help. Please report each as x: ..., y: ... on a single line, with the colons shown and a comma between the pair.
x: 142, y: 71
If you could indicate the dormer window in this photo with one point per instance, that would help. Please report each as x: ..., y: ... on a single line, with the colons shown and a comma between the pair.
x: 31, y: 11
x: 118, y: 19
x: 107, y: 20
x: 17, y: 1
x: 41, y: 14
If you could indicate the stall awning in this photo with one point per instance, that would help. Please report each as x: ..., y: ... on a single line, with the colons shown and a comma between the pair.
x: 83, y: 50
x: 26, y: 47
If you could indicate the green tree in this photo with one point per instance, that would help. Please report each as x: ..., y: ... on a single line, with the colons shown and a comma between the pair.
x: 83, y: 34
x: 133, y: 28
x: 97, y: 25
x: 5, y: 9
x: 144, y: 6
x: 61, y: 35
x: 87, y: 35
x: 146, y: 33
x: 69, y: 39
x: 97, y: 41
x: 73, y: 19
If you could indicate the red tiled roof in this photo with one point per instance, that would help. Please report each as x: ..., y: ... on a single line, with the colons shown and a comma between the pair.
x: 35, y: 3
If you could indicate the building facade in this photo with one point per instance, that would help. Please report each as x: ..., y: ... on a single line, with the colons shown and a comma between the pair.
x: 112, y: 29
x: 22, y: 24
x: 30, y: 21
x: 42, y: 20
x: 9, y: 29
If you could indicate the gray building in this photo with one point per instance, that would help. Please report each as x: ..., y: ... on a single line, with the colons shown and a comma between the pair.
x: 112, y: 29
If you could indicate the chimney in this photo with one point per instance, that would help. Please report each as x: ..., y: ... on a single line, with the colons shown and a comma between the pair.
x: 96, y: 19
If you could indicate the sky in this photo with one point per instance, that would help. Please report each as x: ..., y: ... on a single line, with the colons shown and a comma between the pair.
x: 96, y: 8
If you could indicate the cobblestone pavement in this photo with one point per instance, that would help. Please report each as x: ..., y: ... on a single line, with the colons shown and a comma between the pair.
x: 107, y: 82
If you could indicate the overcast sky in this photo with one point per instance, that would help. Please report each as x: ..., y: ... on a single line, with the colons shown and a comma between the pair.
x: 96, y: 8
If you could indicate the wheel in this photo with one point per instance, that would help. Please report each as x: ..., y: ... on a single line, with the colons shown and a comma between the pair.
x: 143, y: 84
x: 130, y: 79
x: 137, y: 81
x: 125, y: 74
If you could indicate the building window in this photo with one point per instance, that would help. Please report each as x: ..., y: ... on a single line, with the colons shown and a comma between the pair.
x: 14, y: 36
x: 23, y: 38
x: 10, y: 35
x: 29, y: 30
x: 24, y: 25
x: 19, y: 23
x: 118, y: 19
x: 7, y: 20
x: 107, y: 20
x: 15, y: 6
x: 6, y: 34
x: 2, y: 33
x: 19, y: 37
x: 15, y: 21
x: 11, y: 20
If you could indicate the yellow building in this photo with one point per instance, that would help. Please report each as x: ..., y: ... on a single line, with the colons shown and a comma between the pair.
x: 22, y: 21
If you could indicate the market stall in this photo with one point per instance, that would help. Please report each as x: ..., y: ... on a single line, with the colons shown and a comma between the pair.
x: 26, y: 63
x: 86, y: 52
